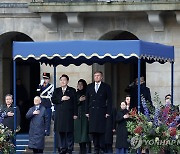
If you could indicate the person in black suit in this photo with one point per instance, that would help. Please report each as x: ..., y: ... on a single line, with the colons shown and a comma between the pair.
x: 145, y: 92
x: 98, y: 109
x: 64, y: 98
x: 8, y: 111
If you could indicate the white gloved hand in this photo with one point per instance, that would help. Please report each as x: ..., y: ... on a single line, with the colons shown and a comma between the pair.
x: 52, y: 108
x: 42, y: 82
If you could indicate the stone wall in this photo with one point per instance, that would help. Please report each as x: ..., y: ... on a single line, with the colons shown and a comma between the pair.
x: 15, y: 1
x: 74, y: 72
x: 94, y: 27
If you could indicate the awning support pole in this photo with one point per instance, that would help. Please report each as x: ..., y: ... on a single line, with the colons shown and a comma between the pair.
x: 172, y: 82
x: 14, y: 93
x: 55, y: 110
x: 139, y: 75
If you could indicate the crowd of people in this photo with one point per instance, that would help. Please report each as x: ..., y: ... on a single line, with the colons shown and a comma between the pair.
x: 81, y: 116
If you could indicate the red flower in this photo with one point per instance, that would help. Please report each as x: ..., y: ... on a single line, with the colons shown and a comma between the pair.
x: 138, y: 130
x: 172, y: 131
x: 172, y: 117
x: 133, y: 112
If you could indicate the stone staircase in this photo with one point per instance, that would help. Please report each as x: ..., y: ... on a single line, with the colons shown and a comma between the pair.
x: 21, y: 143
x: 49, y: 145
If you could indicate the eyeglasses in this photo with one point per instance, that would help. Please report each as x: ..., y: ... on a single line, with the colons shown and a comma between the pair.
x: 168, y: 97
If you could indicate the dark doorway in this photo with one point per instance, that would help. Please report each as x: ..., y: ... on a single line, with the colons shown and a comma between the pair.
x: 120, y: 75
x: 27, y: 75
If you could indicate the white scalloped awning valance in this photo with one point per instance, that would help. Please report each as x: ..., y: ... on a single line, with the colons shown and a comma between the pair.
x: 89, y: 52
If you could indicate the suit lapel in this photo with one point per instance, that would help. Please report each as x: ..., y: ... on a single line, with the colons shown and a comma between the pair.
x: 67, y: 90
x: 93, y: 88
x: 60, y: 91
x: 100, y: 87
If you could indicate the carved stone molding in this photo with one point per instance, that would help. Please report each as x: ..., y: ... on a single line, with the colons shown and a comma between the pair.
x: 177, y: 16
x: 156, y: 20
x: 75, y: 21
x: 50, y: 21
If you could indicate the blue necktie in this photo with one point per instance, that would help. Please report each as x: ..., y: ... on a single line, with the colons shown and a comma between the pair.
x: 96, y: 87
x: 37, y: 108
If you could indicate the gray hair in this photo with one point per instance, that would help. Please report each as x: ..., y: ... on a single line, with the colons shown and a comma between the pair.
x: 9, y: 96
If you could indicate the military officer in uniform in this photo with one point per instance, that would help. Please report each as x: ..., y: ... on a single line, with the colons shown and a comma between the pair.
x: 46, y: 90
x: 98, y: 110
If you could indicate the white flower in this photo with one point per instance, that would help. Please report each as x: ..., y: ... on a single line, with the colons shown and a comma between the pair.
x: 150, y: 124
x: 176, y: 137
x: 157, y: 130
x: 156, y: 139
x: 2, y: 131
x: 1, y: 139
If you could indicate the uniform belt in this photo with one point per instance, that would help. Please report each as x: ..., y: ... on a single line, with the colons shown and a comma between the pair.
x: 45, y: 97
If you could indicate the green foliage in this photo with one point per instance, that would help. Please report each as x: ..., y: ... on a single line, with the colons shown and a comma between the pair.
x: 6, y: 136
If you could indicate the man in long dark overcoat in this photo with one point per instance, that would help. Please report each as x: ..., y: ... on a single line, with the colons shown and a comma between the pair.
x: 38, y: 126
x: 145, y: 92
x: 64, y: 98
x: 98, y: 108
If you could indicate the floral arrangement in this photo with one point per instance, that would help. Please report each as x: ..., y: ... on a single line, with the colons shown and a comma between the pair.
x: 6, y: 138
x: 157, y: 129
x: 2, y: 114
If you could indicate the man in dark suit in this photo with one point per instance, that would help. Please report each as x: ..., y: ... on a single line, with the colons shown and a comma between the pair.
x: 145, y: 92
x: 8, y: 111
x: 98, y: 109
x: 64, y: 98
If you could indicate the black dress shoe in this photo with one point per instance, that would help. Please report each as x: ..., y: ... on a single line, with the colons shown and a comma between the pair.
x: 101, y: 152
x: 62, y: 151
x: 69, y: 151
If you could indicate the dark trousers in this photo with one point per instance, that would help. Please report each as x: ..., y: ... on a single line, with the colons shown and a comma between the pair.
x: 108, y: 148
x: 121, y: 151
x: 89, y: 147
x: 99, y: 142
x: 49, y: 113
x: 37, y: 151
x: 66, y: 142
x: 82, y: 148
x: 85, y: 147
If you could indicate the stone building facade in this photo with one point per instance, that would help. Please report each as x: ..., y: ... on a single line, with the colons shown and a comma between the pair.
x: 154, y: 21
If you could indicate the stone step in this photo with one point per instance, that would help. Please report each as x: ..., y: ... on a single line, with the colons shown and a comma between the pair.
x: 49, y: 144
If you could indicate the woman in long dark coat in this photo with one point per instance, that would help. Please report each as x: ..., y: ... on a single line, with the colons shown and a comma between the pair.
x: 81, y: 123
x: 122, y: 116
x: 38, y: 126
